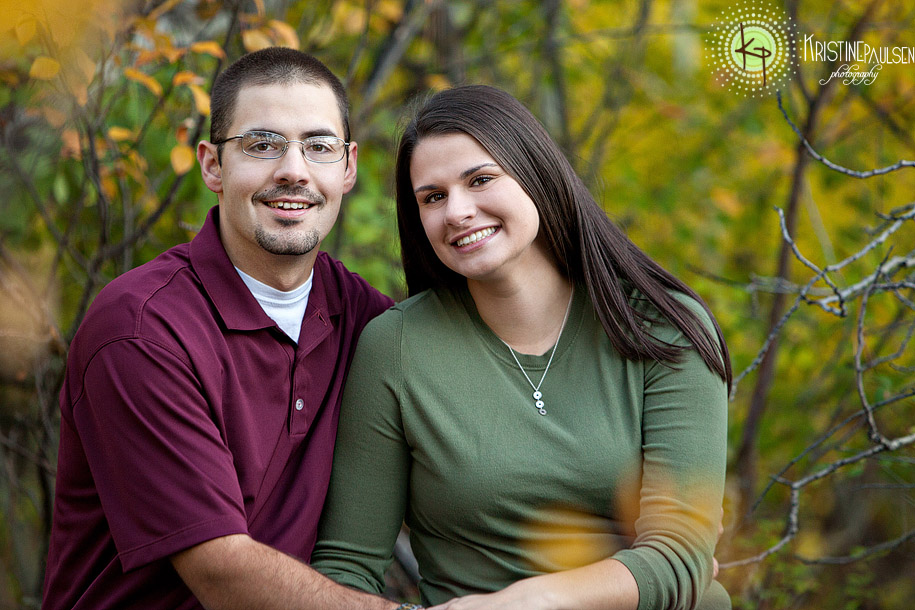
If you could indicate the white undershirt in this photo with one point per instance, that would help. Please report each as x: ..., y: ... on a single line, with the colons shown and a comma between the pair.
x: 285, y: 308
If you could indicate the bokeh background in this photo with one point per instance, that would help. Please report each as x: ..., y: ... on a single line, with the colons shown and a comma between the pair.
x: 103, y: 101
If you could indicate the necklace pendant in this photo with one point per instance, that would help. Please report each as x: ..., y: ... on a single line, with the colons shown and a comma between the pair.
x: 539, y: 404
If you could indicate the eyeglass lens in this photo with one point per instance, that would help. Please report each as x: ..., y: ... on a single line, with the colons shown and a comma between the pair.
x: 267, y: 145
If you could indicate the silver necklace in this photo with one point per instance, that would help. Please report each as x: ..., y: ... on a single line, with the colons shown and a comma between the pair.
x: 538, y: 395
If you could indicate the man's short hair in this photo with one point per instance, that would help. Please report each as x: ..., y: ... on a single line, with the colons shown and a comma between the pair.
x: 270, y: 66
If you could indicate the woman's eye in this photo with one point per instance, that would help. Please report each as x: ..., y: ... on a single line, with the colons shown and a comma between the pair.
x: 480, y: 180
x: 433, y: 197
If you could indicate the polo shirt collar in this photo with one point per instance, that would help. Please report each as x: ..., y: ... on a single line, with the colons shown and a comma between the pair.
x: 326, y: 291
x: 234, y: 302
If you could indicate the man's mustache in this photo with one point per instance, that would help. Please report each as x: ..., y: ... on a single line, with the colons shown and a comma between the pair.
x: 283, y: 192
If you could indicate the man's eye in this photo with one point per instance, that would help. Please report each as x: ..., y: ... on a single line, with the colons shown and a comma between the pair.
x: 322, y: 147
x: 263, y: 146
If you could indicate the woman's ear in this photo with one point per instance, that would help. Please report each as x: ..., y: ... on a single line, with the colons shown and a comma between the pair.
x: 210, y: 169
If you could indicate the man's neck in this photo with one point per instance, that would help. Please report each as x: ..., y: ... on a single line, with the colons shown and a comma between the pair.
x: 281, y: 274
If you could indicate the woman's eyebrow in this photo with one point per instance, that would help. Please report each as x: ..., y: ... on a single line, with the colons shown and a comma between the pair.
x: 464, y: 174
x: 467, y: 172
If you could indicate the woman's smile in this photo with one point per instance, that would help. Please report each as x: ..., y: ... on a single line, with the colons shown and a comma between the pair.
x: 479, y: 220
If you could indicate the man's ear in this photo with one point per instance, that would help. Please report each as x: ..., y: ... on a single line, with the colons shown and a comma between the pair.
x: 349, y: 178
x: 210, y: 168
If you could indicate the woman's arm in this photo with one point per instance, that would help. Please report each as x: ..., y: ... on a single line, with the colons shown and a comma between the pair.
x: 670, y: 564
x: 369, y: 483
x: 605, y: 585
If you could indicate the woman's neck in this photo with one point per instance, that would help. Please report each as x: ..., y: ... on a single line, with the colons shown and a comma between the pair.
x: 527, y: 314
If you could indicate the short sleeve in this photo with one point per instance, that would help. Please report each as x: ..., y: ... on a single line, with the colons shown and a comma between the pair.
x: 164, y: 474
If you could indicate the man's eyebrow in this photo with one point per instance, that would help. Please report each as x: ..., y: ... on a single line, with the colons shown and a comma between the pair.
x: 464, y: 174
x: 321, y: 131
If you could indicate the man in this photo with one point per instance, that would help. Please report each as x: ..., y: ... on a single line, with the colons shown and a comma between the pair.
x: 200, y: 406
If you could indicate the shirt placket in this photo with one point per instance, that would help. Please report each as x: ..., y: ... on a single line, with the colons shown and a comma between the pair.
x: 305, y: 399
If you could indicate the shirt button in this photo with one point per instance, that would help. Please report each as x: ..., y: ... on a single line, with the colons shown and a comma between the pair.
x: 299, y: 404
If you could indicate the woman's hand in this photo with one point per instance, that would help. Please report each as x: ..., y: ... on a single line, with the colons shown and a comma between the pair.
x: 598, y: 586
x: 532, y: 593
x: 522, y: 595
x: 720, y: 532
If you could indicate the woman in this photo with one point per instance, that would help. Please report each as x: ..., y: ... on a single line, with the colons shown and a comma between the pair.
x: 547, y: 411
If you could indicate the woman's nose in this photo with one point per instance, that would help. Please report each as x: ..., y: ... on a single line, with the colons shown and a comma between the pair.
x: 460, y: 208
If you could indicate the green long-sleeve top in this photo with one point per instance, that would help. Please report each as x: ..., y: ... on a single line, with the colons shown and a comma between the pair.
x: 438, y: 428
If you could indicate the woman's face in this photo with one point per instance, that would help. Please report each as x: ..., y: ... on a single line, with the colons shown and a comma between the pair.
x: 478, y: 219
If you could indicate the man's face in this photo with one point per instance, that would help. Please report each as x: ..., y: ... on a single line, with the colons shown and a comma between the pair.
x: 259, y: 234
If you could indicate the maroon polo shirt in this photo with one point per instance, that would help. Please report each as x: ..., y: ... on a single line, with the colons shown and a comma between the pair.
x: 187, y: 414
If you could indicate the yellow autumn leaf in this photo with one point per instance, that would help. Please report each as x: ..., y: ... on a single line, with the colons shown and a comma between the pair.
x: 119, y: 134
x: 201, y: 99
x: 284, y: 34
x: 350, y: 19
x: 136, y: 167
x: 71, y: 147
x: 110, y: 186
x: 145, y: 56
x: 726, y: 201
x: 181, y: 133
x: 182, y: 157
x: 9, y: 77
x: 80, y: 93
x: 172, y: 54
x: 437, y: 82
x: 144, y: 79
x: 53, y: 116
x: 138, y: 161
x: 208, y: 47
x: 255, y: 40
x: 186, y: 77
x: 25, y: 31
x: 392, y: 10
x: 85, y: 65
x: 44, y: 68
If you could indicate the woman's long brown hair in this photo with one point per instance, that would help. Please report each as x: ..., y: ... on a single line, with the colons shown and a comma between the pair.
x: 589, y: 248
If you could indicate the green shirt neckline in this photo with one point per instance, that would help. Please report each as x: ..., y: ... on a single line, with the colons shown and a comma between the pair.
x: 530, y: 362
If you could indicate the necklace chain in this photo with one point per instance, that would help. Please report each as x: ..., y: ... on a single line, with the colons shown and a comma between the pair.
x: 538, y: 395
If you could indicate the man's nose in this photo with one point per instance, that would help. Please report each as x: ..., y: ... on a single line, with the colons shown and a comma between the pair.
x: 293, y: 167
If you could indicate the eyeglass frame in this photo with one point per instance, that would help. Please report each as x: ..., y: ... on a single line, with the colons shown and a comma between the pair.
x: 286, y: 146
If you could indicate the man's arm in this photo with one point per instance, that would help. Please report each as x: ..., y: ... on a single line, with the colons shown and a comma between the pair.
x: 238, y: 572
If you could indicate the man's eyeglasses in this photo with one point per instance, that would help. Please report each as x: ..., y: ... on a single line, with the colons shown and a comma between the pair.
x: 269, y: 145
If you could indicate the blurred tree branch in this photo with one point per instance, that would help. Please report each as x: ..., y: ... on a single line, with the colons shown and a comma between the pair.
x: 892, y: 276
